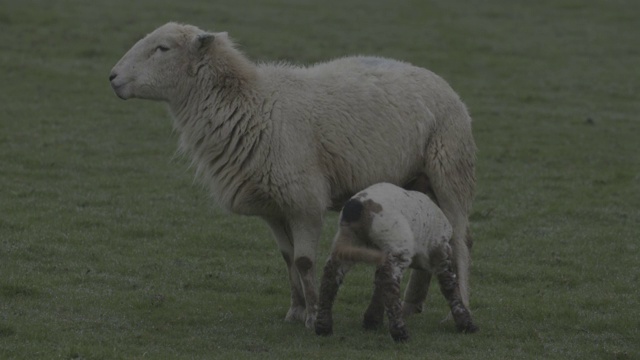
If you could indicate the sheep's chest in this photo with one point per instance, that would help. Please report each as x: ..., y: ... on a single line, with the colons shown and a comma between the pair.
x: 247, y: 198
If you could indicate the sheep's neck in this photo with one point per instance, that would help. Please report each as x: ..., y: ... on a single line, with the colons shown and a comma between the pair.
x: 222, y: 133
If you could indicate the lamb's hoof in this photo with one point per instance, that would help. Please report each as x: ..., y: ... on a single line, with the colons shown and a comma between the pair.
x: 400, y: 334
x: 409, y: 309
x: 295, y: 313
x: 469, y: 328
x: 324, y: 328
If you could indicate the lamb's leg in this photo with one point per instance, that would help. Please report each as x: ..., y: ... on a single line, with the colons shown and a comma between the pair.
x: 416, y: 292
x: 388, y: 279
x: 451, y: 290
x: 375, y: 312
x: 306, y: 234
x: 333, y: 274
x: 284, y: 239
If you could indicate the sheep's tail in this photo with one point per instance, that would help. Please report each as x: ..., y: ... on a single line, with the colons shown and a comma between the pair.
x: 346, y: 252
x: 351, y: 225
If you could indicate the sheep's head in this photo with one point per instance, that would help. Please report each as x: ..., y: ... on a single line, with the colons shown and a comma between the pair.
x: 160, y: 63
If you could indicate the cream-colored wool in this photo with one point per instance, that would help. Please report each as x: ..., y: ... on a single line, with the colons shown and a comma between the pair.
x: 286, y: 143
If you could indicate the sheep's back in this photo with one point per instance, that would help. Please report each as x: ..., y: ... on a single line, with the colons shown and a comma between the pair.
x: 368, y: 118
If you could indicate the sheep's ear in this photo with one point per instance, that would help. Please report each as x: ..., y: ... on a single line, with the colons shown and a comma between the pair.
x: 203, y: 41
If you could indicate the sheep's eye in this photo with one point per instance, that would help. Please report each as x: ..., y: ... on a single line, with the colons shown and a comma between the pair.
x: 162, y: 48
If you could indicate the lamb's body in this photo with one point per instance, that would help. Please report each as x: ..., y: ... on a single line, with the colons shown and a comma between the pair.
x: 395, y: 229
x: 287, y: 143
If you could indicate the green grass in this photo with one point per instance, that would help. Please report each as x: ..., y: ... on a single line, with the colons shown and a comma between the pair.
x: 108, y: 249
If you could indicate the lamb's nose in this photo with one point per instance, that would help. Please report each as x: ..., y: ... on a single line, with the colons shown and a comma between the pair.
x: 112, y: 76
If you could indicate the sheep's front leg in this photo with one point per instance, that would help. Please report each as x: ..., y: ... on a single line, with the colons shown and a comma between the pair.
x: 388, y: 280
x: 306, y: 234
x: 333, y: 274
x: 284, y: 239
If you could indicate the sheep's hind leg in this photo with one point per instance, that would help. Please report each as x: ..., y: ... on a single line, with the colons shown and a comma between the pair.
x: 284, y: 240
x: 450, y: 165
x: 333, y: 274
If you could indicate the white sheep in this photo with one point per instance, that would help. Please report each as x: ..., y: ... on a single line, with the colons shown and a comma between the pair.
x: 395, y: 229
x: 287, y: 143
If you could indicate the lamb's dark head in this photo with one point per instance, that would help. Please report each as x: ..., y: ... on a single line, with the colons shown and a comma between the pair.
x: 161, y: 64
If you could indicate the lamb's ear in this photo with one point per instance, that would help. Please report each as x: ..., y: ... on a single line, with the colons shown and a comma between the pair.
x: 203, y: 41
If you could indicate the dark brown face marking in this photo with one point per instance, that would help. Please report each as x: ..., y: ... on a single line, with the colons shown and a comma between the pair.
x: 303, y: 264
x: 362, y: 222
x: 372, y: 206
x: 352, y: 211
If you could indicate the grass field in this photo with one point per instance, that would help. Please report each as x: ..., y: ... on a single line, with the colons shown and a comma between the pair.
x: 108, y: 250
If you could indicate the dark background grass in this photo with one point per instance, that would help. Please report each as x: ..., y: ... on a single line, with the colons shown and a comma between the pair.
x: 109, y: 250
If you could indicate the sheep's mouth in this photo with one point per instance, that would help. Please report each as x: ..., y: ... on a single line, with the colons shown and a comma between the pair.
x: 118, y: 89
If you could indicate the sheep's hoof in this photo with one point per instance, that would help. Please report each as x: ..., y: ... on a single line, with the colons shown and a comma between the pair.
x: 310, y: 321
x: 324, y: 324
x: 447, y: 318
x: 324, y: 329
x: 295, y: 313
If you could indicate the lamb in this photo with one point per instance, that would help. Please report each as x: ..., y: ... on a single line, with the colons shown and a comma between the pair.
x: 287, y: 143
x: 394, y: 229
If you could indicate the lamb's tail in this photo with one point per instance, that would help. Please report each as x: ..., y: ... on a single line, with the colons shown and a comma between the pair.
x: 350, y: 225
x: 346, y: 252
